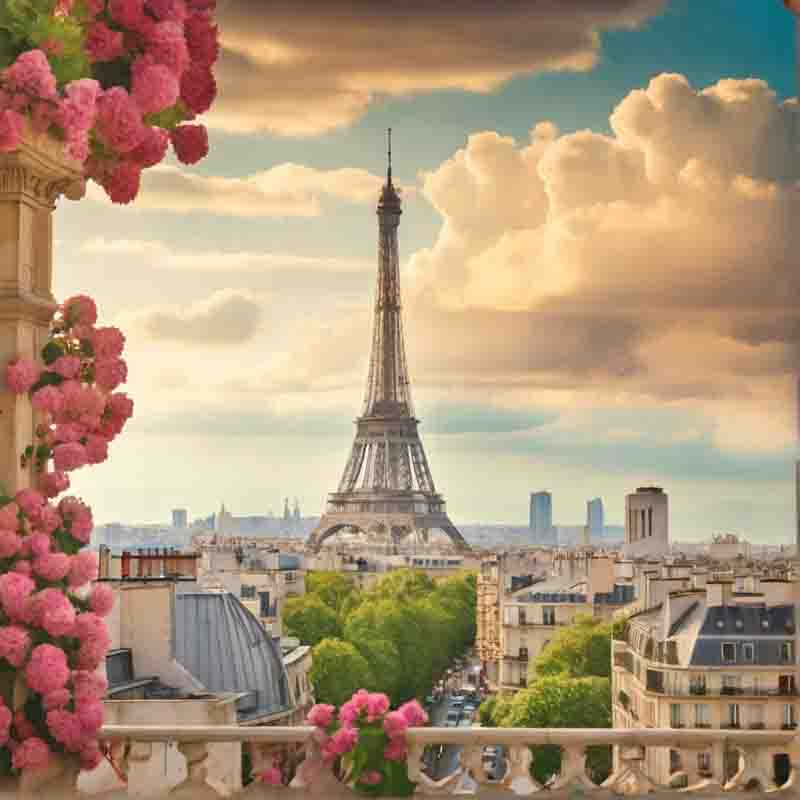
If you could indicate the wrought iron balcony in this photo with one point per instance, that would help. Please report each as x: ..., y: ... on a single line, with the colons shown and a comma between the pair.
x: 132, y: 748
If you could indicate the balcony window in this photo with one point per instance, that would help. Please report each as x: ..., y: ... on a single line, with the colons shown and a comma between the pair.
x: 701, y: 717
x: 789, y: 718
x: 522, y: 619
x: 733, y: 718
x: 697, y: 684
x: 676, y: 715
x: 787, y: 652
x: 655, y: 681
x: 786, y: 685
x: 730, y: 684
x: 748, y: 652
x: 729, y: 652
x: 548, y: 615
x: 704, y: 763
x: 523, y: 653
x: 247, y: 592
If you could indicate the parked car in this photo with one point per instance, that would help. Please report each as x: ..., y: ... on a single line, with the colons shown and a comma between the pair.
x: 457, y: 701
x: 453, y: 716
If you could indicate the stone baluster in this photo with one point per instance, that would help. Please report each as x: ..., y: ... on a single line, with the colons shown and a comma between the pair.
x: 471, y: 759
x: 750, y: 771
x: 517, y: 776
x: 573, y: 769
x: 629, y: 775
x: 31, y: 180
x: 195, y: 786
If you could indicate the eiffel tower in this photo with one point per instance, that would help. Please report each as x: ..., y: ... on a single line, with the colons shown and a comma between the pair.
x: 387, y: 486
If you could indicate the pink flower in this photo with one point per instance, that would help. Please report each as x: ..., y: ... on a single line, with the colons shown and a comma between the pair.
x: 22, y: 726
x: 30, y: 501
x: 97, y: 449
x: 343, y: 741
x: 23, y: 568
x: 91, y: 631
x: 414, y: 713
x: 201, y: 39
x: 79, y: 517
x: 65, y: 727
x: 198, y: 88
x: 88, y: 686
x: 70, y: 456
x: 150, y: 151
x: 47, y: 669
x: 69, y: 432
x: 32, y: 754
x: 57, y: 699
x: 101, y: 599
x: 119, y: 121
x: 83, y: 568
x: 12, y: 125
x: 46, y: 520
x: 52, y: 610
x: 103, y: 44
x: 79, y: 310
x: 90, y: 756
x: 190, y: 143
x: 14, y: 644
x: 6, y: 717
x: 321, y: 715
x: 167, y: 9
x: 8, y: 516
x: 22, y: 374
x: 52, y: 567
x: 377, y: 705
x: 110, y: 373
x: 90, y: 715
x: 360, y: 699
x: 122, y: 183
x: 154, y: 88
x: 371, y: 778
x: 15, y: 590
x: 67, y: 366
x: 166, y: 45
x: 47, y: 400
x: 127, y: 13
x: 395, y: 750
x: 121, y: 405
x: 10, y: 543
x: 348, y: 713
x: 53, y: 483
x: 108, y: 342
x: 272, y: 776
x: 38, y: 544
x: 31, y: 75
x: 395, y: 724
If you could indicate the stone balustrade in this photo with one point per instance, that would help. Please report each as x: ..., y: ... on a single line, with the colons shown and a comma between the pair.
x: 132, y: 748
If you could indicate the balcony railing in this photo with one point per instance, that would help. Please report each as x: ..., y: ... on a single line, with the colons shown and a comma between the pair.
x: 727, y: 691
x: 132, y: 747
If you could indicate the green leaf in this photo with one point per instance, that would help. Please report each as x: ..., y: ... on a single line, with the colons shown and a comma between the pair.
x: 168, y: 118
x: 52, y: 351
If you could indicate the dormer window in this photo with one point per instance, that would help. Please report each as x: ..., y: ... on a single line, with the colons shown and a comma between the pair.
x: 729, y: 652
x: 748, y: 652
x: 787, y: 652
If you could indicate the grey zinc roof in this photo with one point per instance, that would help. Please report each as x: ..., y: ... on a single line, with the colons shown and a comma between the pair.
x: 225, y: 647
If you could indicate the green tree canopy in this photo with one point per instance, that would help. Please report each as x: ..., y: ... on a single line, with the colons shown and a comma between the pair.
x: 337, y: 671
x: 581, y: 650
x: 384, y: 664
x: 333, y: 588
x: 310, y: 619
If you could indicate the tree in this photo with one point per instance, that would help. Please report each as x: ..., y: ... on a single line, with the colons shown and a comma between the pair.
x: 337, y: 671
x: 310, y: 619
x: 581, y: 650
x: 333, y: 588
x: 384, y: 664
x: 559, y: 701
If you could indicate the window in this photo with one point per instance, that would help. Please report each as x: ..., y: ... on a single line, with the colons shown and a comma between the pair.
x: 733, y: 715
x: 748, y: 652
x: 730, y: 684
x: 704, y: 762
x: 522, y: 619
x: 289, y: 577
x: 697, y: 684
x: 789, y: 718
x: 247, y: 592
x: 787, y: 652
x: 676, y: 715
x: 548, y: 615
x: 523, y: 653
x: 729, y: 652
x: 701, y: 715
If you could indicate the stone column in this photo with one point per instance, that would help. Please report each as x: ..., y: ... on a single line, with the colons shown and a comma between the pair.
x: 31, y: 180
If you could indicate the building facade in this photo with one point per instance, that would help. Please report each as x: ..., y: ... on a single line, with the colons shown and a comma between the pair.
x: 647, y: 523
x: 541, y: 518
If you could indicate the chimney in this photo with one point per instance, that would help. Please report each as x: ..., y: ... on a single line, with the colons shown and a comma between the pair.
x: 719, y: 592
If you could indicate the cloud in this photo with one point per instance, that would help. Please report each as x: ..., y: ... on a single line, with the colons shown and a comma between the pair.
x: 228, y: 317
x: 301, y: 69
x: 286, y: 190
x: 653, y: 265
x: 159, y: 254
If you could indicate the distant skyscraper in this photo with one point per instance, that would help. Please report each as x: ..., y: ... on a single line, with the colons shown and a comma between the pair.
x: 296, y: 511
x: 287, y: 514
x: 594, y: 517
x: 180, y: 518
x: 541, y: 518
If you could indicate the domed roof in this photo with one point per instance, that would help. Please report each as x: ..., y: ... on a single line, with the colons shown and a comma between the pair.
x: 226, y: 648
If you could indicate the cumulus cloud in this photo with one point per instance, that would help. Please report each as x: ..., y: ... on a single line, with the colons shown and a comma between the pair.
x: 159, y: 254
x: 286, y: 190
x: 228, y: 317
x: 300, y: 69
x: 657, y: 264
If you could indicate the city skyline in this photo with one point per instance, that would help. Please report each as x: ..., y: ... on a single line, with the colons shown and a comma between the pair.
x: 246, y: 284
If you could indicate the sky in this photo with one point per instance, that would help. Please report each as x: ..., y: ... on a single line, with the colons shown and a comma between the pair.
x: 597, y: 261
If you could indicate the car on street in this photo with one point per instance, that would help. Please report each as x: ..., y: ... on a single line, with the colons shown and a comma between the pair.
x: 457, y: 701
x: 453, y: 716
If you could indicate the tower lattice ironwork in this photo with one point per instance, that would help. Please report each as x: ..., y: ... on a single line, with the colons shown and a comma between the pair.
x: 387, y: 486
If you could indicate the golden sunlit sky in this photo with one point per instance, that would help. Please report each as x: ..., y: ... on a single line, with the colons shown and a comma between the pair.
x: 599, y: 261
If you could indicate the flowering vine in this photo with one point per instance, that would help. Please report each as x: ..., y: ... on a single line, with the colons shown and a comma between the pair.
x: 365, y: 741
x: 116, y: 80
x: 52, y: 634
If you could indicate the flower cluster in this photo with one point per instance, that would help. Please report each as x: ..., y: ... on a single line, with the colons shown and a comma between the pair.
x: 369, y: 739
x: 116, y: 80
x: 52, y: 631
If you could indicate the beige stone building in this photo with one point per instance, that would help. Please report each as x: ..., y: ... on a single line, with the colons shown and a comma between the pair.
x: 706, y: 656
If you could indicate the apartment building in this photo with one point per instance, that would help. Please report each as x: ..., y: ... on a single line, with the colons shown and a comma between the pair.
x: 711, y: 657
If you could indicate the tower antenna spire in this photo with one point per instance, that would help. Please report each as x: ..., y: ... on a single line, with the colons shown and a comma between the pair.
x: 389, y: 171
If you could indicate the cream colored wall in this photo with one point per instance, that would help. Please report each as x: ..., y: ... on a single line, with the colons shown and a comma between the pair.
x: 166, y: 766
